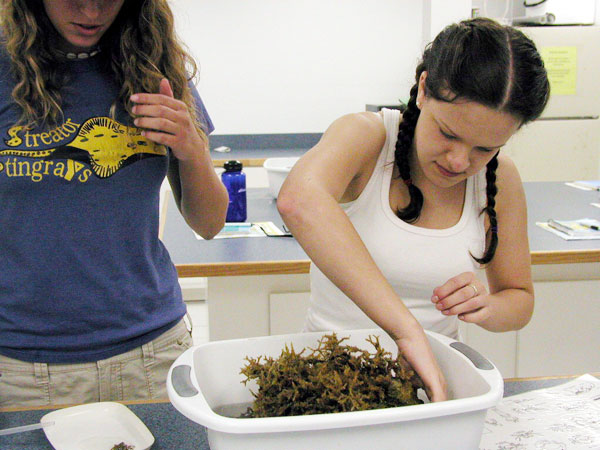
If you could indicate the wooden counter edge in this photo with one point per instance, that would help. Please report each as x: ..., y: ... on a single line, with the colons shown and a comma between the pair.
x: 303, y: 266
x: 554, y: 377
x: 246, y: 162
x: 566, y: 257
x: 243, y: 268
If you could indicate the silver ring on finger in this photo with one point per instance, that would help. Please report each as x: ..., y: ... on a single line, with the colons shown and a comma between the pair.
x: 475, y: 291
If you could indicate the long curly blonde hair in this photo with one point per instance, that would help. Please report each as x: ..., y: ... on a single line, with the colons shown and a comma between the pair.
x: 141, y: 48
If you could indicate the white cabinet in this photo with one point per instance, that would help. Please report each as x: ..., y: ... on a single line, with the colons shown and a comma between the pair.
x: 563, y: 336
x: 287, y: 311
x: 194, y: 296
x: 555, y: 150
x: 499, y: 348
x: 239, y: 306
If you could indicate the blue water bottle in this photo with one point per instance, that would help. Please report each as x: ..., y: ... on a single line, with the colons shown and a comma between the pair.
x: 235, y: 181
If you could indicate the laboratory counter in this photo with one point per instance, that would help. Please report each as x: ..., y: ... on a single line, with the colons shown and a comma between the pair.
x: 172, y: 430
x: 194, y: 257
x: 253, y: 158
x: 253, y: 149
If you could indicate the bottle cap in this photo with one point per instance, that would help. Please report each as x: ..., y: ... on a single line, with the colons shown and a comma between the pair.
x: 232, y: 165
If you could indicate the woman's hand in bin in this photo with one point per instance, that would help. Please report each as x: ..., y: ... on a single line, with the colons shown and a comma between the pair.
x: 415, y: 349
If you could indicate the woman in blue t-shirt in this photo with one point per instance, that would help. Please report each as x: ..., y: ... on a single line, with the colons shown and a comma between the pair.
x: 96, y: 108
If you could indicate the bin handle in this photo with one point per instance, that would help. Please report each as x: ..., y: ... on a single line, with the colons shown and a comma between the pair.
x: 478, y: 360
x: 182, y: 381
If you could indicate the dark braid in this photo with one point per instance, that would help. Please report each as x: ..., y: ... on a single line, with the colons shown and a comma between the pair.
x: 406, y: 132
x: 481, y: 61
x: 490, y: 191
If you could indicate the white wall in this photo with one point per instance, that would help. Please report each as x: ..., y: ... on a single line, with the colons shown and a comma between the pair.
x: 437, y: 14
x: 277, y: 66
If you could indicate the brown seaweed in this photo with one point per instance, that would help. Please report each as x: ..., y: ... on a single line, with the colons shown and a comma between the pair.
x: 122, y: 446
x: 331, y: 378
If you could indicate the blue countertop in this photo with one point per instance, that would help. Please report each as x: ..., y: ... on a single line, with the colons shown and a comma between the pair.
x: 271, y: 254
x: 253, y: 149
x: 258, y: 154
x: 186, y: 248
x: 172, y: 430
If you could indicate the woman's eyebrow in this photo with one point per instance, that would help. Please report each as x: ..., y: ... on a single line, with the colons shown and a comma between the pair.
x: 442, y: 124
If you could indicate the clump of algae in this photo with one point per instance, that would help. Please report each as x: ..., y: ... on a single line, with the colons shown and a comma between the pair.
x: 331, y: 378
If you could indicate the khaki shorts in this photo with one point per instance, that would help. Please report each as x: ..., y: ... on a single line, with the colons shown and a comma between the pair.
x: 138, y: 374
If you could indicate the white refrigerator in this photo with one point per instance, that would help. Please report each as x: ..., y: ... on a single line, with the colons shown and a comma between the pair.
x: 564, y: 144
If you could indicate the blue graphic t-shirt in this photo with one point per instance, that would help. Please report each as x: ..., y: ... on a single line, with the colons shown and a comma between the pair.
x: 83, y: 274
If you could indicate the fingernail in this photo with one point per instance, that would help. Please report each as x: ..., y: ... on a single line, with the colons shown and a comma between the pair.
x: 134, y: 98
x: 435, y: 299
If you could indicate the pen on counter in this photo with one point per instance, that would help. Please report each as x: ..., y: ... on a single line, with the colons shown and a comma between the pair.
x: 591, y: 227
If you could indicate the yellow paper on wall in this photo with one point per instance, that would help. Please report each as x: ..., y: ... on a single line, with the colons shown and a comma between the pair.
x: 561, y: 64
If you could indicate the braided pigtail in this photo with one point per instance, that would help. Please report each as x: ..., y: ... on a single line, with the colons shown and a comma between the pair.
x: 406, y: 132
x: 481, y: 61
x: 491, y: 190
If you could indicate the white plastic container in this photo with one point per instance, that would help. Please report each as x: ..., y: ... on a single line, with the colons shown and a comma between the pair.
x: 277, y: 169
x: 207, y: 377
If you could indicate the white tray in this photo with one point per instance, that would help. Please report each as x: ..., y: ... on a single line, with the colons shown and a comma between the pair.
x: 96, y: 426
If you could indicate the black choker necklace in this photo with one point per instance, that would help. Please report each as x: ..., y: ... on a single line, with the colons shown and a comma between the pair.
x: 78, y: 56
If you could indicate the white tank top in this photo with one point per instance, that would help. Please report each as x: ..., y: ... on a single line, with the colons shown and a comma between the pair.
x: 414, y: 260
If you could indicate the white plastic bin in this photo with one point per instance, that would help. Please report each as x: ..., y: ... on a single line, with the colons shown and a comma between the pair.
x: 207, y: 377
x: 277, y: 170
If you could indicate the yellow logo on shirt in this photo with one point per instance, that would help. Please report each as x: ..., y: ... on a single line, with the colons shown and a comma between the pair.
x: 101, y: 147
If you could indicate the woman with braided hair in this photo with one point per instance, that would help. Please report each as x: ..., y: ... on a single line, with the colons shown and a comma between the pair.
x: 399, y: 211
x: 97, y: 106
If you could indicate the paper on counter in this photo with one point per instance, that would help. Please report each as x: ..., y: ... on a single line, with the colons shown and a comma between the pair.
x: 237, y: 230
x: 588, y: 185
x: 591, y: 235
x: 240, y: 230
x: 565, y: 417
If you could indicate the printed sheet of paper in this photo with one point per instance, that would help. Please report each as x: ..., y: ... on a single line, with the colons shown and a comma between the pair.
x: 567, y: 237
x: 565, y: 417
x: 561, y: 64
x: 237, y: 230
x: 241, y: 230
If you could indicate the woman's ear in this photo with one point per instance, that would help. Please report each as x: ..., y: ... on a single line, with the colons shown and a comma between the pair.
x: 421, y: 89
